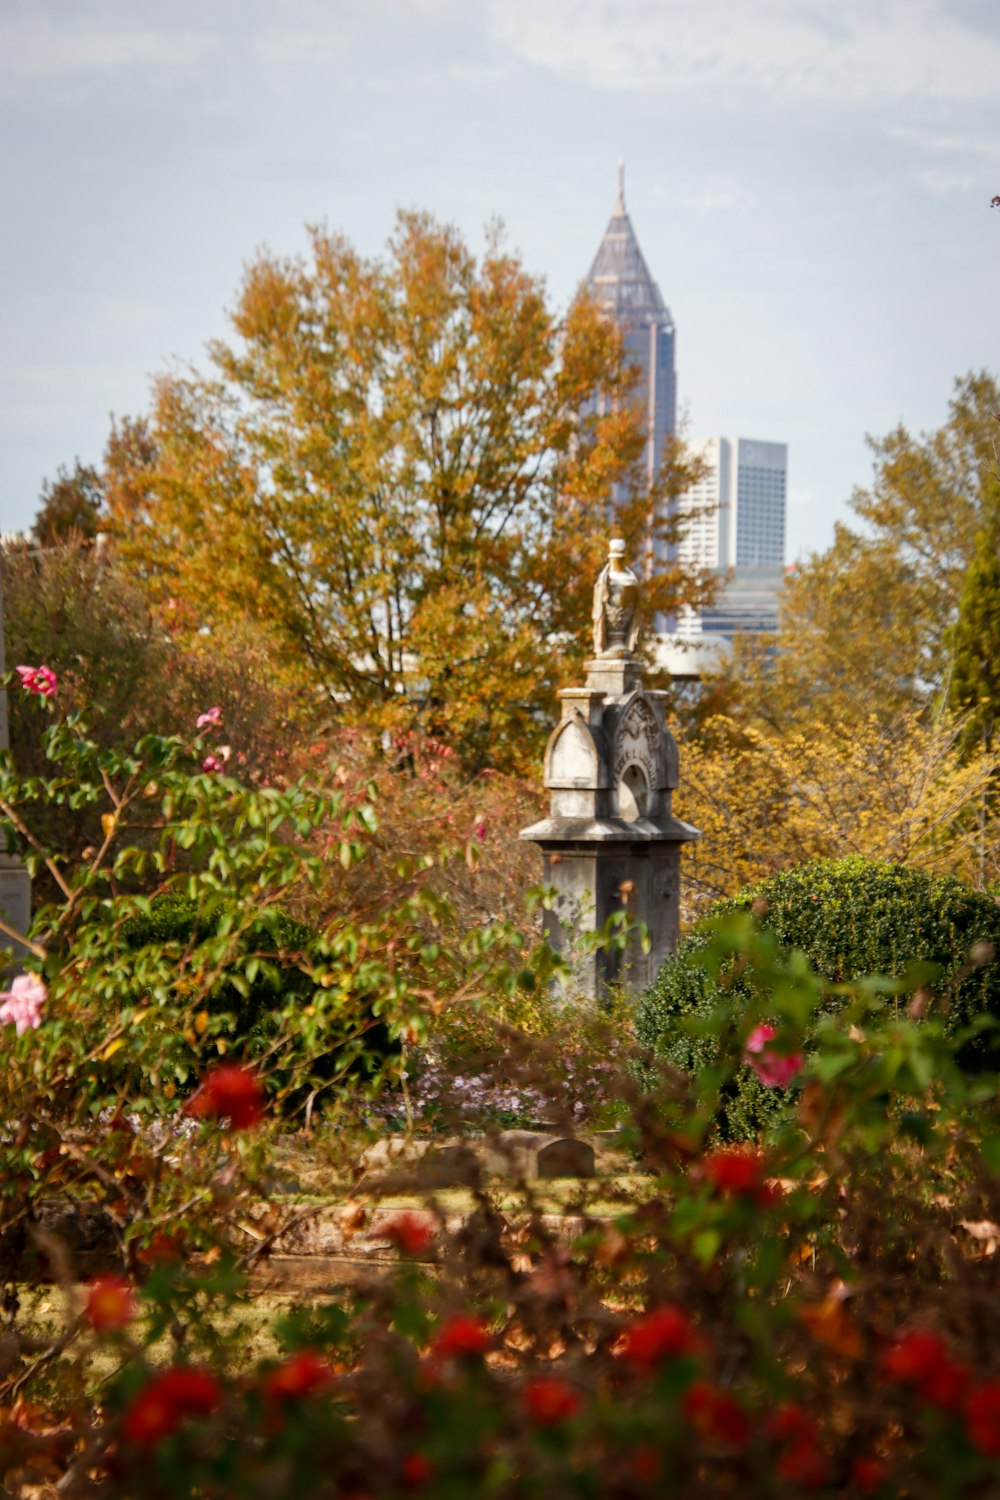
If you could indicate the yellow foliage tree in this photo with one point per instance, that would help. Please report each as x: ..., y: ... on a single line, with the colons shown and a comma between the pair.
x: 766, y: 798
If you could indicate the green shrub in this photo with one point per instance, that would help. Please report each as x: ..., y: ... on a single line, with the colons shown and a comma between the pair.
x: 283, y: 944
x: 253, y: 998
x: 850, y: 918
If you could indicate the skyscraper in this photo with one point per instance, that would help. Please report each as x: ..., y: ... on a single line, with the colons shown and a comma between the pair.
x: 737, y: 529
x: 619, y: 280
x: 738, y: 506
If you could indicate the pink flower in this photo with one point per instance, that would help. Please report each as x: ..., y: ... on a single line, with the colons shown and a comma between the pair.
x: 22, y: 1003
x: 774, y: 1069
x: 41, y: 680
x: 216, y: 762
x: 210, y: 716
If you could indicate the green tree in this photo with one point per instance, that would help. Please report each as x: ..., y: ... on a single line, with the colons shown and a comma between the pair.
x: 401, y: 469
x: 71, y: 507
x: 974, y: 688
x: 865, y: 625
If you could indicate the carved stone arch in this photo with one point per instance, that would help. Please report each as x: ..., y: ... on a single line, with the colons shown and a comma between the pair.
x: 641, y: 740
x: 576, y: 756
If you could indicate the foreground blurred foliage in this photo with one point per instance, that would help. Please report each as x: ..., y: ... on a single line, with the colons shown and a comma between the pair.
x: 807, y: 1314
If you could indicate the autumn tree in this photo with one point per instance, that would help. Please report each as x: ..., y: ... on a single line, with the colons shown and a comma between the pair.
x: 402, y: 467
x: 861, y: 728
x: 71, y: 507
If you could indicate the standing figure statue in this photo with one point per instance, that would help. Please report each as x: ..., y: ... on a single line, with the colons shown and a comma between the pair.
x: 616, y: 600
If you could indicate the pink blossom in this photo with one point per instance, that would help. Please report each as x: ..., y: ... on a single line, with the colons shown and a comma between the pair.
x: 22, y: 1003
x: 210, y: 716
x: 41, y: 680
x: 216, y: 762
x: 774, y: 1069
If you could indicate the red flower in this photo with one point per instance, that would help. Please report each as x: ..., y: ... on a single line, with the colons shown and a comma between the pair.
x: 715, y: 1415
x: 801, y: 1459
x: 549, y: 1401
x: 982, y: 1418
x: 922, y: 1360
x: 912, y: 1357
x: 946, y: 1385
x: 868, y: 1475
x: 740, y: 1173
x: 461, y: 1335
x: 230, y: 1092
x: 774, y: 1069
x: 110, y: 1304
x: 161, y: 1249
x: 647, y: 1463
x: 662, y: 1334
x: 162, y: 1405
x: 416, y: 1470
x: 412, y: 1233
x: 301, y: 1375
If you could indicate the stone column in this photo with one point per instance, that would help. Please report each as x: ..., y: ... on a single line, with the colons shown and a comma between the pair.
x: 611, y: 842
x: 15, y: 882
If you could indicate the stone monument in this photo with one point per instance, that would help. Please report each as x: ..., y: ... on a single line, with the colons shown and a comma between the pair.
x: 610, y: 842
x: 15, y: 882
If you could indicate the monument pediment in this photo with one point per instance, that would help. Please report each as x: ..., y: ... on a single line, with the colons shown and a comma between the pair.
x: 576, y: 756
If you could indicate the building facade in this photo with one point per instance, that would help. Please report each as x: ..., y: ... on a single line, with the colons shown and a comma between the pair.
x: 737, y: 529
x: 738, y: 507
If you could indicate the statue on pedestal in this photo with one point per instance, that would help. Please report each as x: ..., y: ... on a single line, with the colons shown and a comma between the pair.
x: 611, y: 843
x: 616, y: 601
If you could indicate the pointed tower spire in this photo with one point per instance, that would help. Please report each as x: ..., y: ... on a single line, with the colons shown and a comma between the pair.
x: 619, y: 277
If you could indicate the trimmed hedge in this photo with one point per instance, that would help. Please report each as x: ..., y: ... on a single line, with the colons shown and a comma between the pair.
x: 851, y: 918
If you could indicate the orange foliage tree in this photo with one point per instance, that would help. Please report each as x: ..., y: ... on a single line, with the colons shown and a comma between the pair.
x: 401, y: 468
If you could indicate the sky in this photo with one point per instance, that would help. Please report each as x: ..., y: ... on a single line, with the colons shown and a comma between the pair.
x: 809, y: 181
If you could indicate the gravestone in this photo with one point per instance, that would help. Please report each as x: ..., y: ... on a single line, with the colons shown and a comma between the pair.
x: 611, y: 843
x: 451, y: 1163
x: 15, y: 882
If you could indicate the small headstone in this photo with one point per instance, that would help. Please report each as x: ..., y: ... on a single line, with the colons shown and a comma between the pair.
x: 427, y: 1163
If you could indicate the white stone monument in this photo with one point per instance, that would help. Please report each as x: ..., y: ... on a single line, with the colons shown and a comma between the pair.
x: 15, y: 882
x: 611, y: 842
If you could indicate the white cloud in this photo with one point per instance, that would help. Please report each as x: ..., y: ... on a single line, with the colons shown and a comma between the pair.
x: 941, y: 182
x: 890, y: 50
x: 717, y: 195
x: 32, y: 46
